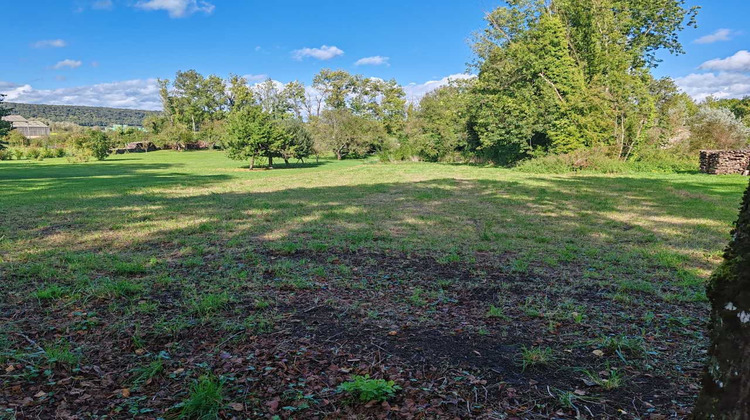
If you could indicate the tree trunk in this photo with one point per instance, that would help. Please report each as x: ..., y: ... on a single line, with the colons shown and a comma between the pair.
x: 286, y: 161
x: 252, y: 162
x: 726, y: 381
x: 270, y: 161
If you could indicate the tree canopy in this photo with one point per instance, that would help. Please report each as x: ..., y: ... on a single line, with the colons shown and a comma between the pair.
x: 557, y: 76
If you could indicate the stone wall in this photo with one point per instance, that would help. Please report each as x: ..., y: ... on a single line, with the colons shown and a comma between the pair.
x: 725, y: 162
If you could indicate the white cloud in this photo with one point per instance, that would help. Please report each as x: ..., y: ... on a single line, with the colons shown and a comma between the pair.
x: 13, y: 91
x: 739, y: 62
x: 177, y: 8
x: 718, y: 36
x: 50, y: 43
x: 415, y: 92
x: 132, y: 94
x: 373, y: 61
x: 72, y: 64
x: 323, y: 53
x: 255, y: 77
x: 721, y: 85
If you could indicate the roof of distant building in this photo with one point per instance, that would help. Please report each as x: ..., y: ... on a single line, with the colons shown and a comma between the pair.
x: 19, y: 121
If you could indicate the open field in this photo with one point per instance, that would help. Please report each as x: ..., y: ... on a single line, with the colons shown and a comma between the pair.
x: 479, y: 291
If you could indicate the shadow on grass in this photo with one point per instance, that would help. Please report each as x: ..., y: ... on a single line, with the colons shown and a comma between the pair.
x: 641, y: 228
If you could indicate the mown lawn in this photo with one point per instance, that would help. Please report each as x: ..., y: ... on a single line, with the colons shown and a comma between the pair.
x: 171, y: 283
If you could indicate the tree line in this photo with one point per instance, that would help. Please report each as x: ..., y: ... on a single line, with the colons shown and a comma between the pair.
x: 86, y: 116
x: 340, y: 113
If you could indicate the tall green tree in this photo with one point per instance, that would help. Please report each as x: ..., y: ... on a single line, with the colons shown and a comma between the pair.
x: 193, y: 99
x: 438, y: 127
x: 333, y: 87
x: 532, y: 95
x: 240, y: 95
x: 593, y: 55
x: 370, y: 109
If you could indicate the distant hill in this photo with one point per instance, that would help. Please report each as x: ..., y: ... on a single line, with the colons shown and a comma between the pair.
x: 82, y: 115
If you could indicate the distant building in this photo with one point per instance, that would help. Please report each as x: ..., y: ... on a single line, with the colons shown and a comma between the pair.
x: 30, y: 129
x: 123, y: 127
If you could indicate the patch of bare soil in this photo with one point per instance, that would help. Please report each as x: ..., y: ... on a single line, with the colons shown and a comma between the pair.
x: 410, y: 319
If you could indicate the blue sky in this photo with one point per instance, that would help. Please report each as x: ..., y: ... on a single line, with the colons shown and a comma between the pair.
x: 108, y: 52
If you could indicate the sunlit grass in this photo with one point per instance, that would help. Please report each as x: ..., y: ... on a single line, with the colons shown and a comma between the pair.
x: 672, y: 222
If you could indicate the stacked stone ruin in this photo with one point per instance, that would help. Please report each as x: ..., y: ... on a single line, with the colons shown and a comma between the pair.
x: 725, y: 162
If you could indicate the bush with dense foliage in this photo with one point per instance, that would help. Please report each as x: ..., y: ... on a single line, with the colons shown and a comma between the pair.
x: 603, y: 161
x: 92, y: 143
x: 717, y: 128
x: 99, y: 144
x: 16, y: 139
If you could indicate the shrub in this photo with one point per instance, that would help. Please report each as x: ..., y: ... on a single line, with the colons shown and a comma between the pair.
x: 717, y: 128
x: 47, y: 153
x: 15, y: 138
x: 99, y: 144
x: 80, y: 155
x: 18, y: 154
x: 60, y: 152
x: 664, y: 161
x: 367, y: 389
x: 173, y: 136
x: 34, y: 153
x: 5, y: 154
x: 598, y: 160
x: 90, y: 144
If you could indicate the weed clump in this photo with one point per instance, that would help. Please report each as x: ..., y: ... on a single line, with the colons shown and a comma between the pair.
x: 204, y: 401
x: 366, y: 389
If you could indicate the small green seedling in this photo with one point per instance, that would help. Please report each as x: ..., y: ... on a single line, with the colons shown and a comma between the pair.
x: 367, y: 389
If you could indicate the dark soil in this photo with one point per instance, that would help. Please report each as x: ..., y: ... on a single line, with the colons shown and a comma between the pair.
x: 401, y: 317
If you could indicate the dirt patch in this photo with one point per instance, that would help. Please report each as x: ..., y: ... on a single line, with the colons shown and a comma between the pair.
x: 409, y: 318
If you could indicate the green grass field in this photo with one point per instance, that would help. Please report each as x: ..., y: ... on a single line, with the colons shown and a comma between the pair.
x: 168, y: 284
